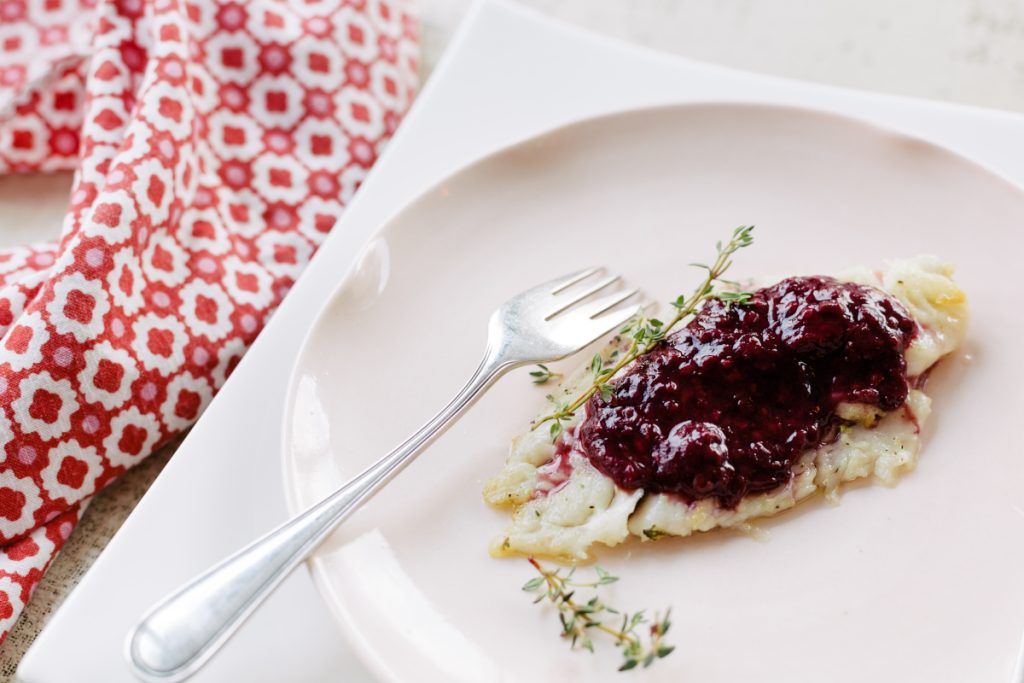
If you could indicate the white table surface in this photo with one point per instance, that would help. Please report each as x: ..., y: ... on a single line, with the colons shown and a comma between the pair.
x: 223, y: 486
x: 968, y: 51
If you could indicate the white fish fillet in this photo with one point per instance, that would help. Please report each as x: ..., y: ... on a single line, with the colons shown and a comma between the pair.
x: 586, y: 507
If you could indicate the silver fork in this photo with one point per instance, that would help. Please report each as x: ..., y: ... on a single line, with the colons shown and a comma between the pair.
x: 180, y: 633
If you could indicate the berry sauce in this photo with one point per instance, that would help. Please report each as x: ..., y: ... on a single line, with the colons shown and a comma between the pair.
x: 726, y: 406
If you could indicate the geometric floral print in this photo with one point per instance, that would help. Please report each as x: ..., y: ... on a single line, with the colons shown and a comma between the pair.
x: 214, y: 144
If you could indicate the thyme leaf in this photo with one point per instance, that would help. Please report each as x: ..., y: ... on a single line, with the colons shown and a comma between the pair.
x: 542, y: 374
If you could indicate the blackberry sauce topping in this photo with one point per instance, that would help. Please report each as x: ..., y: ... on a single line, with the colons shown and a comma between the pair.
x: 726, y: 405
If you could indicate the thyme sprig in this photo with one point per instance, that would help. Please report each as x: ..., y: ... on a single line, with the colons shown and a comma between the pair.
x: 646, y: 333
x: 542, y: 374
x: 579, y: 620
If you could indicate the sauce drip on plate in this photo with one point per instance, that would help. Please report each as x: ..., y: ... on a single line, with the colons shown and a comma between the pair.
x: 726, y: 405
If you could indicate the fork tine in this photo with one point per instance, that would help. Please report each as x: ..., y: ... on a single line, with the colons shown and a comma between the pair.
x: 566, y: 281
x: 600, y: 318
x: 613, y: 320
x: 580, y: 296
x: 596, y: 308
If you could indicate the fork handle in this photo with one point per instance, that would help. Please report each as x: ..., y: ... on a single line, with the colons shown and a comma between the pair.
x: 180, y: 633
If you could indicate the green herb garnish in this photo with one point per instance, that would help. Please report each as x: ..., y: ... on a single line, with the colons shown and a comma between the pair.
x: 646, y: 333
x: 580, y: 619
x: 542, y: 375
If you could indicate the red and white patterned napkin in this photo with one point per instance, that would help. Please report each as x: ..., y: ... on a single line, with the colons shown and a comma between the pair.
x: 215, y: 144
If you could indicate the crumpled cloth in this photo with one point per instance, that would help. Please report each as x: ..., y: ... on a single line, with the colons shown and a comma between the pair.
x: 214, y: 146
